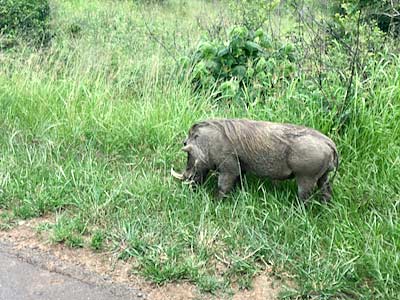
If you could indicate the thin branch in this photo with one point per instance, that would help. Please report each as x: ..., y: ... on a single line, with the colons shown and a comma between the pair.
x: 353, y: 62
x: 154, y: 37
x: 353, y: 70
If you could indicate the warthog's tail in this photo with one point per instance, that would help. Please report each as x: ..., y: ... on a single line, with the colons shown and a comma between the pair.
x: 335, y: 157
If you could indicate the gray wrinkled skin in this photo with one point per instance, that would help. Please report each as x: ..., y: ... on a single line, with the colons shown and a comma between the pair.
x: 273, y: 150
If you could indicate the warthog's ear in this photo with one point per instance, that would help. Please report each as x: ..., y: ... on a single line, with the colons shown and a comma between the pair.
x: 187, y: 148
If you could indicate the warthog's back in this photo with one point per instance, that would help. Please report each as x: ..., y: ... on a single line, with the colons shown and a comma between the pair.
x: 274, y: 150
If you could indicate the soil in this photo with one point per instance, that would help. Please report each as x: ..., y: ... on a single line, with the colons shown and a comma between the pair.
x: 105, y: 269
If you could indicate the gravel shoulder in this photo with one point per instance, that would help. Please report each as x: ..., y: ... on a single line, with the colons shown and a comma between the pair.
x: 29, y: 274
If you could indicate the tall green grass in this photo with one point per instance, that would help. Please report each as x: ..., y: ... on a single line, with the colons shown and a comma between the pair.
x: 90, y: 127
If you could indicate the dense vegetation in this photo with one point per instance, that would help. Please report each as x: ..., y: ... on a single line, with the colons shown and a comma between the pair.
x: 249, y: 64
x: 91, y: 123
x: 26, y: 19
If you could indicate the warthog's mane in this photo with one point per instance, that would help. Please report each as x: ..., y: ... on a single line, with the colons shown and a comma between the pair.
x: 246, y: 133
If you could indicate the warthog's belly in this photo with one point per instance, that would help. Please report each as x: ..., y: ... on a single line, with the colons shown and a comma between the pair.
x: 267, y: 166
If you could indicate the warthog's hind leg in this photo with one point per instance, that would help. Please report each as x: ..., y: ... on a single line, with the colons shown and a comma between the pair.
x: 325, y: 187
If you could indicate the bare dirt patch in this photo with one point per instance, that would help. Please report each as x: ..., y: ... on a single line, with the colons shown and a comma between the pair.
x: 263, y: 288
x: 25, y: 238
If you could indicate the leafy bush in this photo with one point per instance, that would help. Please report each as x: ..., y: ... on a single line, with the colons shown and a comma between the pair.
x: 249, y: 62
x: 24, y: 18
x: 383, y: 13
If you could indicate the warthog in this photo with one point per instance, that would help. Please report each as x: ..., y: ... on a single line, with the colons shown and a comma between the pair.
x: 277, y: 151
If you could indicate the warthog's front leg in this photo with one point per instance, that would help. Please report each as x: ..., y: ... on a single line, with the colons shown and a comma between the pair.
x: 226, y: 182
x: 305, y: 187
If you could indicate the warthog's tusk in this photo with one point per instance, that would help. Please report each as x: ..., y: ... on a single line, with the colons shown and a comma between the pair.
x: 188, y: 182
x: 177, y: 175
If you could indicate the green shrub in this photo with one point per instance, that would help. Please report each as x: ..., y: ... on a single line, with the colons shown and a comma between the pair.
x: 383, y: 13
x: 249, y: 62
x: 353, y: 27
x: 28, y: 19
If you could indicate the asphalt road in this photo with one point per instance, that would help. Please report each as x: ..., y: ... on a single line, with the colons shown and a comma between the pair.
x: 24, y: 280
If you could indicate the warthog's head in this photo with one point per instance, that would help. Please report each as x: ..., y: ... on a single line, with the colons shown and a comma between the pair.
x: 197, y: 166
